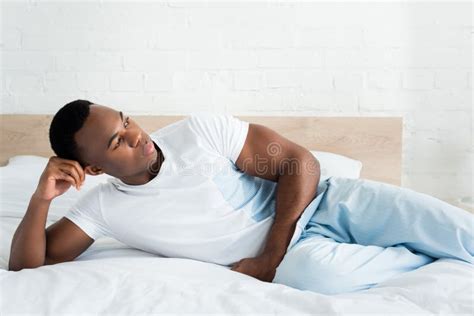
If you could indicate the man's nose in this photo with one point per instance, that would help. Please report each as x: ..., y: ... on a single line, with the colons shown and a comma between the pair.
x: 134, y: 139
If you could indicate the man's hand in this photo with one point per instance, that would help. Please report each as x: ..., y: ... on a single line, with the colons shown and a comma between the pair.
x: 58, y: 176
x: 261, y: 267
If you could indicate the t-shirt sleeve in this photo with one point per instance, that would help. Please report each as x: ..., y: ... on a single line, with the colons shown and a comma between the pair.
x: 86, y: 213
x: 224, y: 133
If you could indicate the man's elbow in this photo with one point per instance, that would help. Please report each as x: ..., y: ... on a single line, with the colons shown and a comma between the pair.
x: 301, y: 163
x: 15, y: 268
x: 12, y: 268
x: 312, y: 166
x: 20, y: 266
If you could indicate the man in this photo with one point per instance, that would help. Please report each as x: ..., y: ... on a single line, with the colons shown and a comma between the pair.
x: 217, y: 189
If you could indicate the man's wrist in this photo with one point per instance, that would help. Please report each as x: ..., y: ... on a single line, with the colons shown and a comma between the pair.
x: 273, y: 258
x: 38, y: 198
x: 279, y: 238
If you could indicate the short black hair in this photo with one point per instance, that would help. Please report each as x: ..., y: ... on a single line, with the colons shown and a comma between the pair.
x: 66, y: 122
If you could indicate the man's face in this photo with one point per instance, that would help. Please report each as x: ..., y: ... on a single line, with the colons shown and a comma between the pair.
x: 114, y: 144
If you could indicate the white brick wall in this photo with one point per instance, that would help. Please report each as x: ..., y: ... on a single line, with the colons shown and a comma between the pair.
x: 258, y: 58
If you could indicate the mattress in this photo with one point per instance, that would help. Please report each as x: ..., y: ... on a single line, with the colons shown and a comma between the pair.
x: 111, y: 277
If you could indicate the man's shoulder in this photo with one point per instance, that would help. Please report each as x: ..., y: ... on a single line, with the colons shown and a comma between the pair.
x: 96, y: 187
x: 192, y: 118
x: 101, y: 188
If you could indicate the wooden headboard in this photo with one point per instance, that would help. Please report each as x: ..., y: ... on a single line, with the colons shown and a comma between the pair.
x: 376, y: 141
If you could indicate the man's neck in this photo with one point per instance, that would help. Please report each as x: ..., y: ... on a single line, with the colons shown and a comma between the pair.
x: 151, y: 172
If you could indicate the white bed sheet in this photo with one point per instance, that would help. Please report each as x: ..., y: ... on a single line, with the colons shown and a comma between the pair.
x: 111, y: 277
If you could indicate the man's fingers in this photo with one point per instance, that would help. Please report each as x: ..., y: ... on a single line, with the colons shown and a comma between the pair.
x: 69, y: 170
x: 236, y: 267
x: 67, y: 178
x: 79, y: 169
x: 77, y: 166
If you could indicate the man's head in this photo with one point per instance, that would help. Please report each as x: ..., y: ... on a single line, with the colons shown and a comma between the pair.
x: 102, y: 140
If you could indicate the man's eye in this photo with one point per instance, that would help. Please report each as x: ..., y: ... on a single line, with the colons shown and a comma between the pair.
x: 118, y: 142
x: 125, y: 125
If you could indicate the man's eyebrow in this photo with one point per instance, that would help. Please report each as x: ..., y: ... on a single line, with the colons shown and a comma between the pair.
x: 114, y: 135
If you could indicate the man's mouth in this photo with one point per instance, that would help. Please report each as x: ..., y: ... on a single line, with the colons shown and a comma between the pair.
x: 149, y: 148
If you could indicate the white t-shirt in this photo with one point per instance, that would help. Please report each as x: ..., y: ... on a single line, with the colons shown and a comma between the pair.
x: 199, y: 206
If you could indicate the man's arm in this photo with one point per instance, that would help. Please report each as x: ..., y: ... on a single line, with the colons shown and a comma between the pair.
x: 268, y: 155
x: 33, y: 246
x: 28, y: 246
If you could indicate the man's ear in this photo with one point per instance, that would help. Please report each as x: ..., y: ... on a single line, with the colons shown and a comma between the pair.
x: 93, y: 170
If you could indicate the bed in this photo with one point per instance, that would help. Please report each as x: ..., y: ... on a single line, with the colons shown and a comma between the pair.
x: 110, y: 277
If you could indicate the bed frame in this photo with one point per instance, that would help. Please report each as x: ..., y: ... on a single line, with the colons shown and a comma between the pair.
x: 376, y: 141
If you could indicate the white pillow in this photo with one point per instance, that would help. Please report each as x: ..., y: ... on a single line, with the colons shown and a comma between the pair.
x: 27, y: 160
x: 334, y: 165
